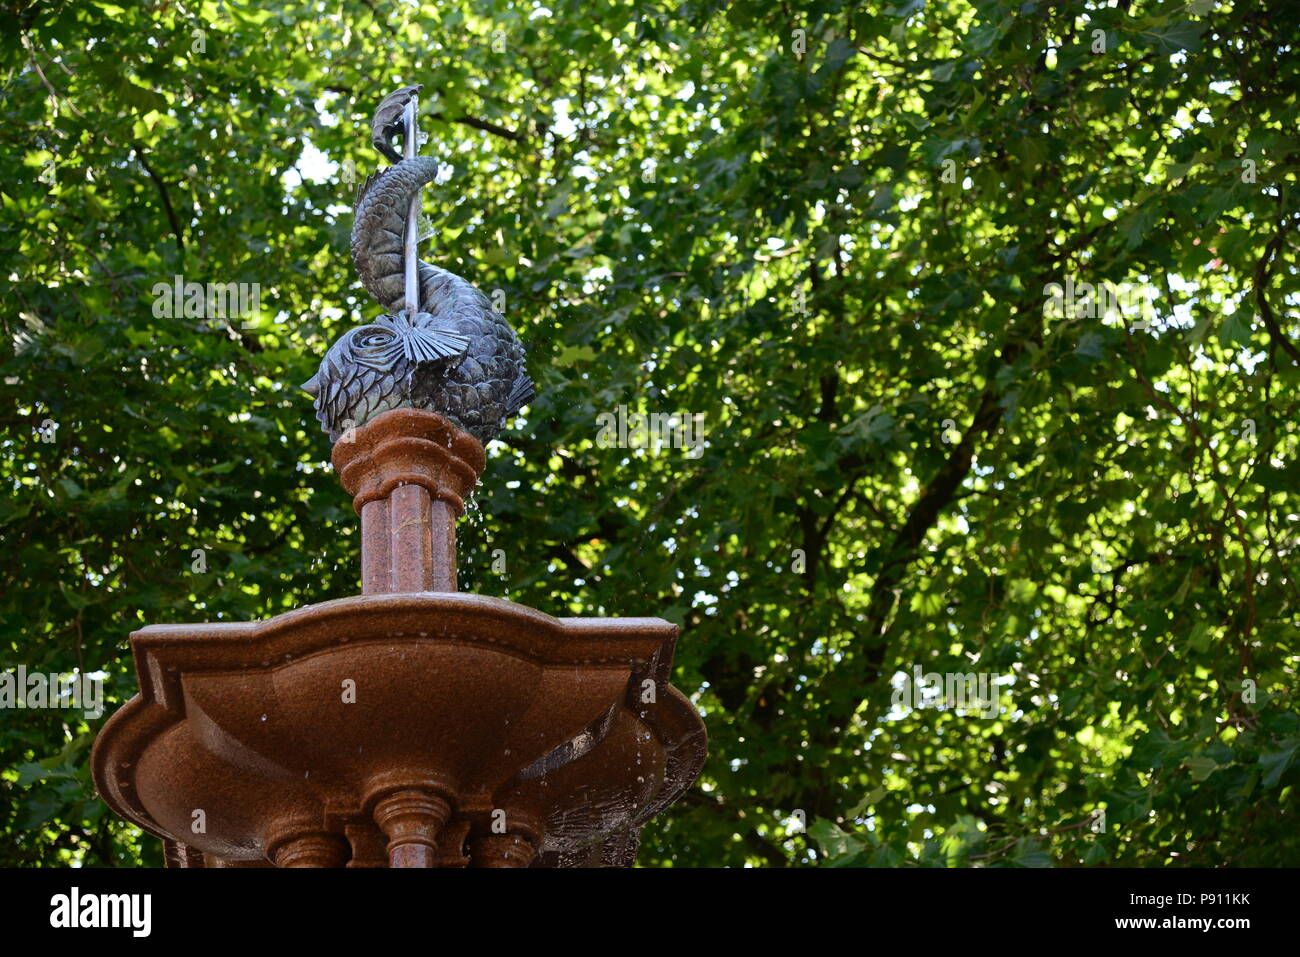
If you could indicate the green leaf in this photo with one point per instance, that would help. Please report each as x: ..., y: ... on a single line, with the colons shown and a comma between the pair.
x: 943, y: 72
x: 833, y: 840
x: 1276, y: 763
x: 870, y: 799
x: 1030, y: 854
x: 1201, y: 767
x: 1180, y: 35
x: 838, y: 53
x: 1235, y: 330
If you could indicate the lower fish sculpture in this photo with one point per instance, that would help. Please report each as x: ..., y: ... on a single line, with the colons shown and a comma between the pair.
x: 456, y: 356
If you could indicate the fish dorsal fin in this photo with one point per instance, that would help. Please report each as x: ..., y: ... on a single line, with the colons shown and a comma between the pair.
x: 365, y: 187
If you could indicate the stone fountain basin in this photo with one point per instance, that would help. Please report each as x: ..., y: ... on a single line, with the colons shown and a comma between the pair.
x: 292, y: 725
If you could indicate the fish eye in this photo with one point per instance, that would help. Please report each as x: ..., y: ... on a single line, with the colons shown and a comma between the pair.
x: 377, y: 337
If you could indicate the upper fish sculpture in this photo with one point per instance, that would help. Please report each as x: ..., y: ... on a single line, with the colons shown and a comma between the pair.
x: 441, y: 346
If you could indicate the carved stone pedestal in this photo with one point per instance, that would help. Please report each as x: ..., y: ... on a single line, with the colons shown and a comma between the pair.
x: 409, y: 726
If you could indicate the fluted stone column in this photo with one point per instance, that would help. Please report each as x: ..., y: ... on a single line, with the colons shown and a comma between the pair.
x: 409, y: 472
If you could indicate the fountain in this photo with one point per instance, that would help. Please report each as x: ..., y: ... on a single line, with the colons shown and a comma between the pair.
x: 410, y: 725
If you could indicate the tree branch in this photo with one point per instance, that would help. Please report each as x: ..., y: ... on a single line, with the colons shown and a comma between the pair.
x: 1263, y: 270
x: 166, y: 197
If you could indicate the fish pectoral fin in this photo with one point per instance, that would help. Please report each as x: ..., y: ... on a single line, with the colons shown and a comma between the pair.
x: 429, y: 342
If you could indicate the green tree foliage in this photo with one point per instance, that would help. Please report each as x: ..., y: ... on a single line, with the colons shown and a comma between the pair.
x: 828, y: 228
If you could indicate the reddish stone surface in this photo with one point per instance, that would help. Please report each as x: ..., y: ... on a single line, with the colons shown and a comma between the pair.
x: 410, y: 726
x: 408, y: 472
